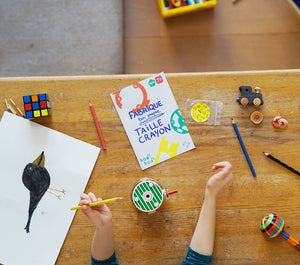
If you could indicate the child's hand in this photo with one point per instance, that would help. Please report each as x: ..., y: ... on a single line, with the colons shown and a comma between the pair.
x: 219, y: 180
x: 98, y: 215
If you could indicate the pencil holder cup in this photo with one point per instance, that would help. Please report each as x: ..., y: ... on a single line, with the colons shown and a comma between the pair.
x: 272, y: 225
x: 147, y: 195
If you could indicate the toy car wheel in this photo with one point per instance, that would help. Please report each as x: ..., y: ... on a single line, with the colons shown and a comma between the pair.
x: 244, y: 101
x: 256, y: 101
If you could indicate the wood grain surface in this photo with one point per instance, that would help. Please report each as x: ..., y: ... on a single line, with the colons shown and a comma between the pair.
x: 248, y: 35
x: 163, y: 237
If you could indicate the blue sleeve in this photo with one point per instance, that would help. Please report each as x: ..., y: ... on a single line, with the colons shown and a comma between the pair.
x: 194, y: 258
x: 110, y: 261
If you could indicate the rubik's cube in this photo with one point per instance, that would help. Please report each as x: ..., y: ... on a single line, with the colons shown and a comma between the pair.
x: 36, y: 106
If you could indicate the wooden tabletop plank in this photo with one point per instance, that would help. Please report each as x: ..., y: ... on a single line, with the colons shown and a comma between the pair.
x: 163, y: 237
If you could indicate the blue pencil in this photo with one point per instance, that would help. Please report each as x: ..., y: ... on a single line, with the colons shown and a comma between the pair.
x: 243, y: 147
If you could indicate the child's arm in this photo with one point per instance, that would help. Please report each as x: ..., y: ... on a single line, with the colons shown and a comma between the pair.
x: 102, y: 247
x: 203, y: 238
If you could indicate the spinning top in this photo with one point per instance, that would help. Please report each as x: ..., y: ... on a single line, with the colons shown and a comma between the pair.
x: 147, y: 195
x: 272, y: 225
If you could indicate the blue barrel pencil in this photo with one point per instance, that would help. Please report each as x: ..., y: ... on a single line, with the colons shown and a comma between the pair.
x: 243, y: 147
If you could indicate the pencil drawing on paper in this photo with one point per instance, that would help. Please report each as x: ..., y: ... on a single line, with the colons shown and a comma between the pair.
x: 36, y: 179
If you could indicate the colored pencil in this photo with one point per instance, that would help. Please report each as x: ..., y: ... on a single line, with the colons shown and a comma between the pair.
x: 97, y: 125
x: 281, y: 163
x: 243, y: 147
x: 97, y: 203
x: 191, y: 2
x: 10, y: 108
x: 171, y: 192
x: 7, y: 106
x: 15, y: 105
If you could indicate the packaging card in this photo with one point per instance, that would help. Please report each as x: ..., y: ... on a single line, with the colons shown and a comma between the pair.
x: 152, y: 120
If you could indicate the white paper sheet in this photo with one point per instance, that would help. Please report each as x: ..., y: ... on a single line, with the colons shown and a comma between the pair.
x: 69, y: 162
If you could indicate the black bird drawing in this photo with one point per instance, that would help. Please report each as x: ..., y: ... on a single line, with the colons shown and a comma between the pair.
x: 36, y: 179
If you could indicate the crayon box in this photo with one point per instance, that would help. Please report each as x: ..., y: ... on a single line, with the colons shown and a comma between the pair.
x: 185, y: 7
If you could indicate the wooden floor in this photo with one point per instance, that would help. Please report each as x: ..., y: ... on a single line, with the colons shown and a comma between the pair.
x: 248, y: 35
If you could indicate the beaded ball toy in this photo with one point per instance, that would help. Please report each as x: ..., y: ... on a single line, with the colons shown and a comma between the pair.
x: 272, y: 225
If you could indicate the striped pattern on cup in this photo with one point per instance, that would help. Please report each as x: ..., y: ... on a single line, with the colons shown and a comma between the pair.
x: 147, y: 195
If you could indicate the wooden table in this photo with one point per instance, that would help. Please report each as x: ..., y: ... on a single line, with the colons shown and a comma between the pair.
x: 163, y: 237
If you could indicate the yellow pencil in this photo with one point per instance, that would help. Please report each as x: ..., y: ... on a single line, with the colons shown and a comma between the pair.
x: 97, y: 203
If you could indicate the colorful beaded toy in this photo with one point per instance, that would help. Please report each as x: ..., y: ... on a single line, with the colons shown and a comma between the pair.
x: 272, y: 225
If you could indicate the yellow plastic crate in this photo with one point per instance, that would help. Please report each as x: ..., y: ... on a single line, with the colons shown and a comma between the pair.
x: 165, y: 12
